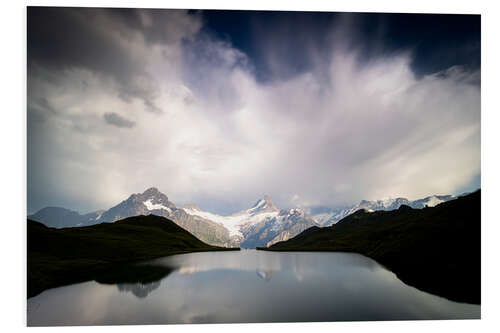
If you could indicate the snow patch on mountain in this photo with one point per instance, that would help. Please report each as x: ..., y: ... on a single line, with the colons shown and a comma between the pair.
x: 151, y: 206
x: 322, y: 217
x: 332, y: 216
x: 234, y: 222
x: 433, y: 201
x: 260, y: 204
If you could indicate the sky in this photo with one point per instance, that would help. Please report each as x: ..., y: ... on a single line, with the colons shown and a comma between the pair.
x: 219, y: 108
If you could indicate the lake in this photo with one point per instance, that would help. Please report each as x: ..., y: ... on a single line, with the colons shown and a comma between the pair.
x: 248, y: 286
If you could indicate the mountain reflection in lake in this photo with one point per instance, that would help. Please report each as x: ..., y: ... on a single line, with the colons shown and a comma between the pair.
x: 247, y: 286
x: 138, y: 289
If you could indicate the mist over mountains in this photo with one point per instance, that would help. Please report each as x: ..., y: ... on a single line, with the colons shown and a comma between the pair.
x: 261, y: 225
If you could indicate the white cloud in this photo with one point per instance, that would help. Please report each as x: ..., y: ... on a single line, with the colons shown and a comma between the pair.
x: 371, y: 130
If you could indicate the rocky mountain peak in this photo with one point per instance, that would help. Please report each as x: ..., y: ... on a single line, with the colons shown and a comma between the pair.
x: 153, y: 192
x: 153, y: 195
x: 268, y: 201
x: 263, y: 205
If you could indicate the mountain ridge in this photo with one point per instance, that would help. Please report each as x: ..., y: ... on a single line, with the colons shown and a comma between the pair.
x: 327, y: 216
x: 263, y: 224
x: 263, y: 218
x: 436, y: 249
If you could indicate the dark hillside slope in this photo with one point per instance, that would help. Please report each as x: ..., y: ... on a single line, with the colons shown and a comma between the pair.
x: 62, y: 256
x: 436, y: 249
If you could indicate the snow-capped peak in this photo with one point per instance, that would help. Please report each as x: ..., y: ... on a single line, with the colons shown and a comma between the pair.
x: 153, y: 199
x: 433, y: 201
x: 259, y: 204
x: 263, y: 205
x: 293, y: 212
x: 387, y: 202
x: 332, y: 216
x: 262, y: 210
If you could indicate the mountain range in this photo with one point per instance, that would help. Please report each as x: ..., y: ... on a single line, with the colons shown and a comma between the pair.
x: 326, y: 216
x: 262, y: 225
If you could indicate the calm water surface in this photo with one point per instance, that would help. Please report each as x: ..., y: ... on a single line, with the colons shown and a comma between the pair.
x: 248, y: 286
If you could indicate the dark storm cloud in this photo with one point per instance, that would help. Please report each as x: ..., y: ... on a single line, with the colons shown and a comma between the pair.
x: 115, y: 119
x: 66, y: 37
x: 281, y: 44
x: 61, y: 38
x: 284, y: 44
x: 98, y: 39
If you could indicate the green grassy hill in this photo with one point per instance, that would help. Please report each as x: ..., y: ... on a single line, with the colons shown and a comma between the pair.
x: 63, y: 256
x: 436, y: 249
